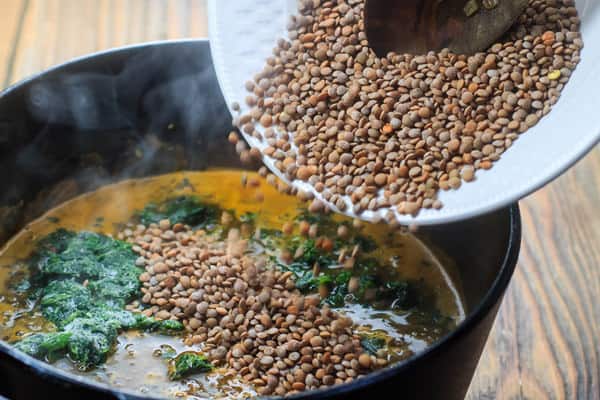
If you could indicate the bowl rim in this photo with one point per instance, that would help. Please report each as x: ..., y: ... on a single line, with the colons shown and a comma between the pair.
x: 494, y: 294
x: 496, y: 188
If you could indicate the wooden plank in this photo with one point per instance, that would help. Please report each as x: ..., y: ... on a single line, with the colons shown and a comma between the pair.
x: 544, y: 344
x: 104, y: 32
x: 177, y: 23
x: 78, y: 36
x: 137, y: 21
x: 54, y: 31
x: 187, y: 19
x: 118, y: 22
x: 198, y: 19
x: 156, y: 26
x: 11, y: 22
x: 47, y: 21
x: 30, y: 53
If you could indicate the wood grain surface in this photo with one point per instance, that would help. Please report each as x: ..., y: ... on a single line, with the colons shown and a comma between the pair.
x: 546, y: 340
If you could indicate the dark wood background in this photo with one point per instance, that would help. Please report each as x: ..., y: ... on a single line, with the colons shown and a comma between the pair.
x: 546, y: 341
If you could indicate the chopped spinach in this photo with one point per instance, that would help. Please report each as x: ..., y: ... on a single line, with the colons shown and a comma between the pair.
x: 372, y: 343
x: 310, y: 253
x: 91, y: 341
x: 168, y: 327
x: 366, y: 268
x: 307, y: 253
x: 108, y: 264
x: 305, y: 280
x: 186, y: 364
x: 249, y: 217
x: 408, y: 295
x: 55, y: 242
x: 84, y: 280
x: 63, y: 301
x: 339, y: 291
x: 45, y: 346
x: 313, y: 218
x: 184, y: 209
x: 371, y: 275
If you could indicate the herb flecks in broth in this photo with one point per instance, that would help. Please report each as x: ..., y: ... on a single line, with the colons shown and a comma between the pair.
x: 84, y: 280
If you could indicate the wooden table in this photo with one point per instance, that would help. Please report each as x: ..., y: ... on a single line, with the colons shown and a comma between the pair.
x: 546, y: 341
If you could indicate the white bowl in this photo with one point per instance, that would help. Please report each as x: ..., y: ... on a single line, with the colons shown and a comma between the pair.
x: 244, y: 32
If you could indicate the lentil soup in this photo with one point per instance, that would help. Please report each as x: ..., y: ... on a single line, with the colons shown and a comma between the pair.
x: 232, y: 293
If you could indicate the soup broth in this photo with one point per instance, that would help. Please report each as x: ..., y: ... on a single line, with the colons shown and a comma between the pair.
x: 272, y: 226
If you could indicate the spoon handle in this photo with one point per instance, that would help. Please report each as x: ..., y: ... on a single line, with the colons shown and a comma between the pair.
x: 418, y: 26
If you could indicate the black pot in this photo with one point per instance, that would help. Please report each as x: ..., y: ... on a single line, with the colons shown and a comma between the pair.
x: 157, y: 108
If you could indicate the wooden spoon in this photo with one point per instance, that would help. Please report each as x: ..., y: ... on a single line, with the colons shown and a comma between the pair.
x: 418, y: 26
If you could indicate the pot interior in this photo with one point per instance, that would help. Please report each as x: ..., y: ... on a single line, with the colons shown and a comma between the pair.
x: 156, y: 109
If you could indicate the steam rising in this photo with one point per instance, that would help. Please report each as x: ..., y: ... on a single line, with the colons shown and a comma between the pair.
x: 127, y: 114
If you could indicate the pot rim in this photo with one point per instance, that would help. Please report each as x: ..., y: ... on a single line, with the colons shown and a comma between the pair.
x: 488, y: 301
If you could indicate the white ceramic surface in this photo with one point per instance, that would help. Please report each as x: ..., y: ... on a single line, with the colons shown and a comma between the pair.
x: 244, y: 32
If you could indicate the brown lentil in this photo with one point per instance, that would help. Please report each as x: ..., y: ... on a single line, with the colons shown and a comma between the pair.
x: 247, y: 316
x: 401, y: 124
